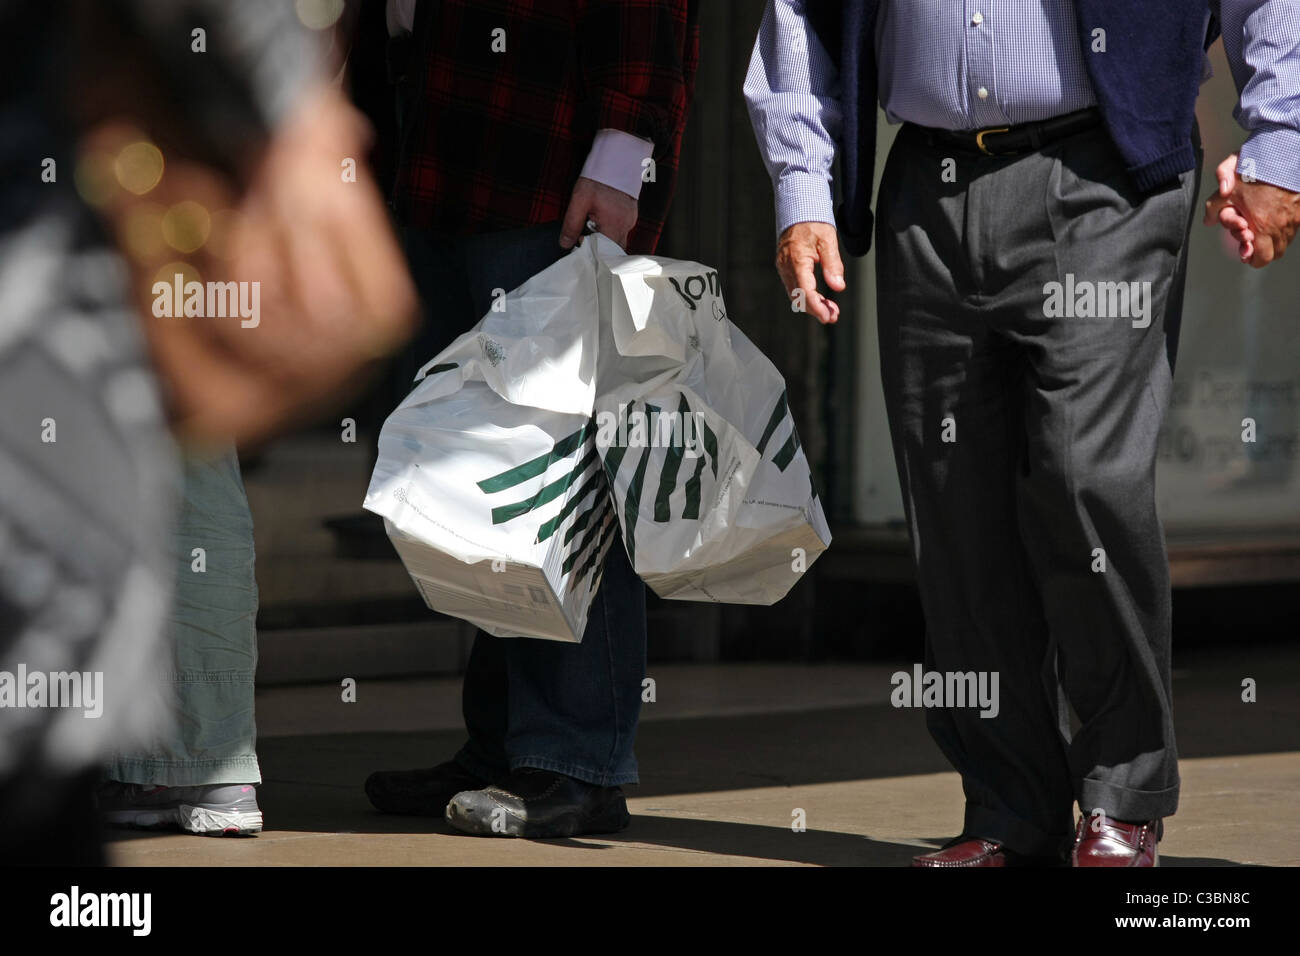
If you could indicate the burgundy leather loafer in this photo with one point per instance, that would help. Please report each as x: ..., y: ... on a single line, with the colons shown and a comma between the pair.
x: 1114, y: 843
x: 965, y: 851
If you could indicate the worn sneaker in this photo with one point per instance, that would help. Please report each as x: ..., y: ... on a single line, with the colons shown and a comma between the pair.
x: 539, y: 805
x: 220, y: 810
x: 420, y: 793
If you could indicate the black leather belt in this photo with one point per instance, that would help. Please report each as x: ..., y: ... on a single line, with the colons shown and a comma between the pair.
x: 1011, y: 140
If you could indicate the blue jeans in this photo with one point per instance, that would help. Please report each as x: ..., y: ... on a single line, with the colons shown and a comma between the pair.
x: 570, y: 708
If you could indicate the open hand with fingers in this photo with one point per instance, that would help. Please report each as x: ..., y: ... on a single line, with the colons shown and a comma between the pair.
x: 1261, y: 217
x: 800, y: 248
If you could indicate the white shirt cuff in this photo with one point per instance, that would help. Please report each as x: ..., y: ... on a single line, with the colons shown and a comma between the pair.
x: 617, y: 159
x: 399, y: 15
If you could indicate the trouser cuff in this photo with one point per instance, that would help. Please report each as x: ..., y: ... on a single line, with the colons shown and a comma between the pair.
x: 185, y: 773
x: 1124, y: 803
x: 597, y: 778
x: 1013, y: 833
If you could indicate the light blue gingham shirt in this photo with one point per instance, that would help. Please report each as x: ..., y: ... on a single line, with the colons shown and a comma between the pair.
x: 992, y: 63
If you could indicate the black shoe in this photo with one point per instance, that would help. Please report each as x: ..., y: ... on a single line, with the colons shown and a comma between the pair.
x: 539, y: 804
x: 420, y: 793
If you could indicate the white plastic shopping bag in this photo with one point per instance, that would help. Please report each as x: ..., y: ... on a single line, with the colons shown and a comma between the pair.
x: 608, y: 391
x: 488, y: 476
x: 711, y: 485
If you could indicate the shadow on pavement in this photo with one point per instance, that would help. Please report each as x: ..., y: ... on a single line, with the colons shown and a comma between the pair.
x: 314, y: 783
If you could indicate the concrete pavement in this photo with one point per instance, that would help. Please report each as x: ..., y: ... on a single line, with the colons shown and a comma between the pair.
x: 729, y: 754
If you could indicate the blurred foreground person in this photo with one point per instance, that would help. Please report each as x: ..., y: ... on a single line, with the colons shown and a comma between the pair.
x: 196, y: 137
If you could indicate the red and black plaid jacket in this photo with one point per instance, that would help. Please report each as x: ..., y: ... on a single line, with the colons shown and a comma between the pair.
x: 496, y: 140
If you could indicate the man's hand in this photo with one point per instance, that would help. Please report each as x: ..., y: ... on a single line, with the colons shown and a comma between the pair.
x: 614, y: 212
x: 1261, y: 217
x: 799, y: 248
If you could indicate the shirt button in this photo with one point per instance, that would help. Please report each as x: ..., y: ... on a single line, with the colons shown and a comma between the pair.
x: 982, y: 93
x: 977, y: 18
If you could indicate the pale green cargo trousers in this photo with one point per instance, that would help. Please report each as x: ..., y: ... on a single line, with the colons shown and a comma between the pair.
x: 212, y: 738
